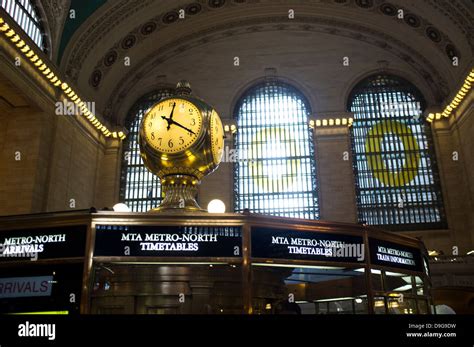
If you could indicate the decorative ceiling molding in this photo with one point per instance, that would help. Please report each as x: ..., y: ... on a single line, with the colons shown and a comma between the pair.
x: 116, y: 15
x: 94, y: 35
x: 438, y: 84
x: 459, y: 14
x: 144, y: 31
x: 56, y: 12
x: 85, y: 40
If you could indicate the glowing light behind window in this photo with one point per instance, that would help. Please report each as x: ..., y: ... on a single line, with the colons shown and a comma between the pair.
x: 25, y: 14
x: 275, y: 172
x: 140, y: 189
x: 413, y: 197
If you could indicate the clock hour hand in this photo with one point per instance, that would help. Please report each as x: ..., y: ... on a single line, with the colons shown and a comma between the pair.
x: 181, y: 126
x: 167, y: 120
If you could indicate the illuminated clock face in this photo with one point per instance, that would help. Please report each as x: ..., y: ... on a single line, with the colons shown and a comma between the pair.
x: 217, y: 137
x: 173, y: 125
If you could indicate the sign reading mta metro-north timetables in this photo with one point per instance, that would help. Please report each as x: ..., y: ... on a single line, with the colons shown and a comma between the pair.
x: 168, y: 241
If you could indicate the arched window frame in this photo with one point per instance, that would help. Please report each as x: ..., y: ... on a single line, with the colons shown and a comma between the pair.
x: 27, y: 15
x: 257, y: 197
x: 133, y: 171
x: 408, y: 212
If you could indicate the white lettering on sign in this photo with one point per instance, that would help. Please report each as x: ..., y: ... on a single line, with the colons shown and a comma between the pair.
x: 35, y: 239
x: 169, y: 242
x: 16, y: 287
x: 393, y: 255
x: 327, y: 248
x: 163, y: 246
x: 28, y: 245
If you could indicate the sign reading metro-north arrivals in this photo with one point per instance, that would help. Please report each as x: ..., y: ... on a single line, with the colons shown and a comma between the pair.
x: 42, y: 243
x: 168, y: 241
x: 306, y: 245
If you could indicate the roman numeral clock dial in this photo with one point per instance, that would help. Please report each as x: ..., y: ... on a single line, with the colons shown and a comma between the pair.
x: 173, y: 125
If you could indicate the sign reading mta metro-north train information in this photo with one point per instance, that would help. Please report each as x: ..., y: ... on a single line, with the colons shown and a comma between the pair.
x: 168, y: 241
x: 387, y: 253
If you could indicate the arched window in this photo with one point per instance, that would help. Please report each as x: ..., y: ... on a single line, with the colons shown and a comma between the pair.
x: 397, y: 183
x: 275, y: 170
x: 24, y: 12
x: 139, y: 189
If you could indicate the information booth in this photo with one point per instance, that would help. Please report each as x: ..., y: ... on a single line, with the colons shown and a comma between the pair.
x: 198, y: 263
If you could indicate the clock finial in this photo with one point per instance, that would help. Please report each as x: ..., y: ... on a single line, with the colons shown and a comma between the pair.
x: 183, y: 88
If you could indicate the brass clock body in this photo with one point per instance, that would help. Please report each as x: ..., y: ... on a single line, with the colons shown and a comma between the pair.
x: 181, y: 140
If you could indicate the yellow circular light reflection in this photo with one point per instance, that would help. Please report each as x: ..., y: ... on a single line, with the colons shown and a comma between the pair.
x: 376, y: 163
x: 278, y: 174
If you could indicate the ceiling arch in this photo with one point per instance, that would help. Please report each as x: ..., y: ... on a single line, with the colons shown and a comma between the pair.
x: 151, y: 34
x: 247, y: 27
x: 243, y: 88
x: 325, y: 76
x: 113, y: 15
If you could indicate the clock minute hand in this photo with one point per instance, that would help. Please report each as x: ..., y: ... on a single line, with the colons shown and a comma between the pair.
x: 181, y: 126
x: 170, y: 119
x: 172, y: 110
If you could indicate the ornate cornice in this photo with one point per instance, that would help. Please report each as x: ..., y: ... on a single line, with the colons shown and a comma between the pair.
x: 458, y: 14
x: 95, y: 32
x: 56, y: 12
x: 118, y: 13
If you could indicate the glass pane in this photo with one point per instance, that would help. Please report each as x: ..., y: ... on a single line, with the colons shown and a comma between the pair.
x: 275, y: 172
x: 309, y: 290
x: 397, y: 181
x: 419, y: 285
x: 44, y: 288
x: 379, y: 305
x: 341, y: 306
x: 167, y: 289
x: 322, y: 307
x: 376, y: 277
x: 398, y: 282
x: 361, y: 305
x: 423, y: 307
x: 398, y: 306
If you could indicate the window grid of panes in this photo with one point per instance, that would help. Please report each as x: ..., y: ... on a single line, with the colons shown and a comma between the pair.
x: 275, y: 171
x: 397, y: 181
x: 24, y: 13
x: 140, y: 189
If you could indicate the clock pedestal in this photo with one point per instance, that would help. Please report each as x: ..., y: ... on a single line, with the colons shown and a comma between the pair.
x: 179, y: 194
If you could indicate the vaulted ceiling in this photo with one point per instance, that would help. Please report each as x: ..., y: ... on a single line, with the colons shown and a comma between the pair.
x: 308, y: 49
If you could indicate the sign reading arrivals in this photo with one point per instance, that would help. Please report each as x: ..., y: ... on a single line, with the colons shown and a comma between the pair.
x: 306, y: 245
x: 168, y: 241
x: 42, y: 243
x: 15, y: 287
x: 392, y: 254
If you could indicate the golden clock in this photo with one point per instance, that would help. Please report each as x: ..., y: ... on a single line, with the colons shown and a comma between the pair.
x: 217, y: 137
x: 173, y: 125
x: 181, y: 140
